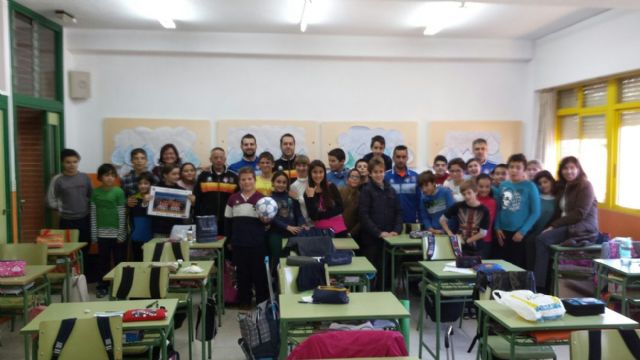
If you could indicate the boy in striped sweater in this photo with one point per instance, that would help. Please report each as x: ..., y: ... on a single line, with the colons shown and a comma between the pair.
x: 107, y: 222
x: 246, y: 234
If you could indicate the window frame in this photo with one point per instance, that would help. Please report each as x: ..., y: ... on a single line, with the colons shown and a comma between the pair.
x: 612, y: 111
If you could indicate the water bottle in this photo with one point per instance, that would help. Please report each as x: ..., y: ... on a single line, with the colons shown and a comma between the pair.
x: 190, y: 235
x: 625, y: 252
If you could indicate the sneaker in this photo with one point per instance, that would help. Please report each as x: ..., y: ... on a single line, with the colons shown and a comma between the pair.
x: 100, y: 293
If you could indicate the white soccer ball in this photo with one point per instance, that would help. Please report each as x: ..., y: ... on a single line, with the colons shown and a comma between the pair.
x: 267, y: 208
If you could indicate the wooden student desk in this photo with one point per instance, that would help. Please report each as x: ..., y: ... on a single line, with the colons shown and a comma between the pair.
x: 397, y: 247
x: 446, y: 284
x: 63, y: 255
x: 217, y: 247
x: 84, y: 310
x: 361, y: 306
x: 515, y: 329
x: 626, y: 277
x: 201, y: 278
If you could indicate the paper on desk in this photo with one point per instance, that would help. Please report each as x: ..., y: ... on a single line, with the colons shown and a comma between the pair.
x: 458, y: 270
x: 307, y: 299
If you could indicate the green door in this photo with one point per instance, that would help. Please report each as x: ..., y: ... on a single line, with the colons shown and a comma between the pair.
x: 52, y: 157
x: 4, y: 209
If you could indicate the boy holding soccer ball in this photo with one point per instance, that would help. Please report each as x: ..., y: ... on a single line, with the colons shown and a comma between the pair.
x: 246, y: 234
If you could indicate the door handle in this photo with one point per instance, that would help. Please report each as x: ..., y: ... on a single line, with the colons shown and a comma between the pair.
x: 22, y: 202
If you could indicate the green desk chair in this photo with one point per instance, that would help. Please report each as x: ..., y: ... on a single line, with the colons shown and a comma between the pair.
x: 167, y: 252
x: 141, y: 289
x: 84, y: 339
x: 288, y: 276
x: 443, y: 250
x: 33, y: 254
x: 612, y: 345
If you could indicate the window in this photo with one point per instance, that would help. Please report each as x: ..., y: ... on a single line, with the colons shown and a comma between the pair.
x: 34, y: 56
x: 600, y: 125
x: 628, y: 168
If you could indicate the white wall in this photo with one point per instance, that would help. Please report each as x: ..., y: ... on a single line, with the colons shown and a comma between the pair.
x: 199, y: 79
x: 601, y: 46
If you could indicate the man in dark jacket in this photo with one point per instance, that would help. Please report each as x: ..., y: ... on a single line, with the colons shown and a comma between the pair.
x: 380, y: 215
x: 213, y: 188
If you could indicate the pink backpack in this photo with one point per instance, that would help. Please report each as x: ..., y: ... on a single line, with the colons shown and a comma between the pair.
x: 230, y: 283
x: 12, y: 268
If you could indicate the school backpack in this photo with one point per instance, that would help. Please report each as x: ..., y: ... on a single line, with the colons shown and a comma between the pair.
x: 260, y: 331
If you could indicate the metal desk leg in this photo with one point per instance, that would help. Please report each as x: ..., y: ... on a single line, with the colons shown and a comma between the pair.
x: 67, y: 275
x: 438, y: 318
x: 203, y: 312
x: 393, y: 270
x: 624, y: 303
x: 512, y: 346
x: 384, y: 265
x: 555, y: 273
x: 284, y: 338
x: 163, y: 339
x: 26, y: 346
x: 421, y: 318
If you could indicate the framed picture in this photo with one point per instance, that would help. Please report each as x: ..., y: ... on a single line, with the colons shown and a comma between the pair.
x: 168, y: 202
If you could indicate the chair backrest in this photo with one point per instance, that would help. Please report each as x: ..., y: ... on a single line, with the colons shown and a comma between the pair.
x: 611, y: 343
x: 33, y: 254
x: 84, y: 339
x: 409, y: 227
x: 443, y: 249
x: 141, y: 286
x: 73, y: 234
x: 167, y: 251
x: 288, y: 276
x: 351, y: 344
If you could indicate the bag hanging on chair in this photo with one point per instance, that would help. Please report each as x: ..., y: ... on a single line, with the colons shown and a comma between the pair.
x: 210, y: 325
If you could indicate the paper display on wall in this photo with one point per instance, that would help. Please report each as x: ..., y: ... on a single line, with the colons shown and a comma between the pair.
x: 151, y: 140
x: 459, y: 144
x: 356, y: 142
x: 267, y: 138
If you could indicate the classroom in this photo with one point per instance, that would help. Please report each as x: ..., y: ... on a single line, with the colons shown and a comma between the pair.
x: 319, y: 179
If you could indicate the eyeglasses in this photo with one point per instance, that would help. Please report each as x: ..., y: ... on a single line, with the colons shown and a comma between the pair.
x: 355, y: 177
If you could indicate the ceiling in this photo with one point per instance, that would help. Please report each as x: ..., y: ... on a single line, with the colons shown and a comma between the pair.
x: 510, y: 19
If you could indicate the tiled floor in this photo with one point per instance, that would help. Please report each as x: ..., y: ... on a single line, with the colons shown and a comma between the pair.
x: 225, y: 346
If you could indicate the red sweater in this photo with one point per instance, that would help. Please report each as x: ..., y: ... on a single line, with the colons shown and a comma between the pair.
x: 490, y: 203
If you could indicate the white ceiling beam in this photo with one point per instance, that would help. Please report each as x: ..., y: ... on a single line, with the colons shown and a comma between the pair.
x: 598, y: 4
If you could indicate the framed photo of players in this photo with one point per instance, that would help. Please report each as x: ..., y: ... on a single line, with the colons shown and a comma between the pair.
x: 172, y: 203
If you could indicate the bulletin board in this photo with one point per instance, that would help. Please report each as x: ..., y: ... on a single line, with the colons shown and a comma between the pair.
x: 454, y: 138
x: 267, y: 133
x: 355, y: 138
x: 121, y: 135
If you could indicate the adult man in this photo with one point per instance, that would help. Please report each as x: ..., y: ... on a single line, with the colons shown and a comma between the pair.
x: 248, y: 145
x: 214, y: 187
x: 480, y: 151
x: 286, y: 162
x: 404, y: 181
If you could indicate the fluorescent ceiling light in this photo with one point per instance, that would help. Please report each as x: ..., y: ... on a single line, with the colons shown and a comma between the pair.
x: 308, y: 12
x: 438, y: 15
x: 166, y: 12
x: 304, y: 16
x: 167, y: 23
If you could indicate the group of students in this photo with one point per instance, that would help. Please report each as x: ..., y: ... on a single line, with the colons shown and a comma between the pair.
x: 512, y: 211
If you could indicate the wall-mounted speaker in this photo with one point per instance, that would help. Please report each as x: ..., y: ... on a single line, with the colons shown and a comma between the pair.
x: 79, y: 85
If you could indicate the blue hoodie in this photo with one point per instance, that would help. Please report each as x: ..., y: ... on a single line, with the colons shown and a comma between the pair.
x: 433, y: 206
x: 288, y: 213
x: 518, y: 206
x: 338, y: 178
x: 407, y: 189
